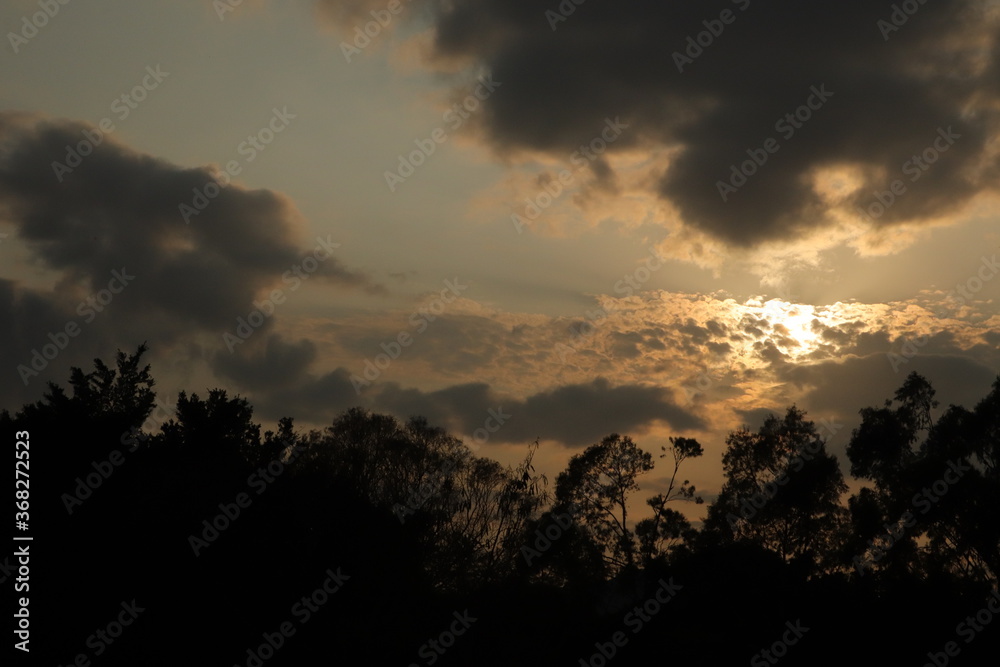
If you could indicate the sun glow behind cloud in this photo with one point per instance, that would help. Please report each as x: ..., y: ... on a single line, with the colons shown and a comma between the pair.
x: 792, y: 325
x: 760, y: 332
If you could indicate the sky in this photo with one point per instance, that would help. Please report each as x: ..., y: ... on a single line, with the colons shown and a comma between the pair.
x: 525, y: 221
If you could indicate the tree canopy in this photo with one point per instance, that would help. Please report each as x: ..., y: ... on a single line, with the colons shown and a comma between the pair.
x: 422, y: 525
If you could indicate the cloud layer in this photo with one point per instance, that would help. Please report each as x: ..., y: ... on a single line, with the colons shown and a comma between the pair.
x: 112, y: 212
x: 712, y: 81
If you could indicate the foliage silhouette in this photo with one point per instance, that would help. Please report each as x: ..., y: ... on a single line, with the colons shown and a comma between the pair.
x: 782, y: 491
x: 658, y: 535
x: 599, y: 482
x: 425, y: 529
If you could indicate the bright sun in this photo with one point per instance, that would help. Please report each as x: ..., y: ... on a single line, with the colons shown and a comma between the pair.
x: 793, y: 326
x: 788, y: 326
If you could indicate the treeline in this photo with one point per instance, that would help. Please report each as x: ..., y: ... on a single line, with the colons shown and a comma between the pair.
x: 393, y: 543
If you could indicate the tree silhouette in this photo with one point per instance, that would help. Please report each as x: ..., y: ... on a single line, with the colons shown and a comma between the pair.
x: 424, y: 528
x: 599, y: 482
x: 493, y: 507
x: 940, y: 485
x: 882, y: 447
x: 219, y: 427
x: 782, y: 491
x: 658, y: 534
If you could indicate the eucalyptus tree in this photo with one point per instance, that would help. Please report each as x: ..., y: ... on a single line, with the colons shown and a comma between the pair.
x: 597, y: 484
x: 657, y: 535
x: 782, y: 491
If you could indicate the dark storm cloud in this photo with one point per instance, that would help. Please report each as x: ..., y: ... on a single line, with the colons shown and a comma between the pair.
x: 316, y: 399
x: 27, y: 318
x: 892, y: 90
x: 43, y: 333
x: 858, y: 382
x: 582, y: 414
x: 576, y: 415
x: 120, y: 208
x: 113, y: 220
x: 277, y: 365
x: 754, y: 418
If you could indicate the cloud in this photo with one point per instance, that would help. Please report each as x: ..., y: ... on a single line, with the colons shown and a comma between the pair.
x: 880, y: 96
x: 847, y: 386
x: 576, y: 414
x: 276, y: 366
x: 117, y: 212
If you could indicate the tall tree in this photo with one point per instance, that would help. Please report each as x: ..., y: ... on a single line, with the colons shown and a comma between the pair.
x: 470, y: 512
x: 782, y: 491
x: 659, y: 533
x: 219, y: 427
x: 108, y: 403
x: 883, y: 445
x: 598, y: 483
x: 488, y: 509
x: 938, y: 479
